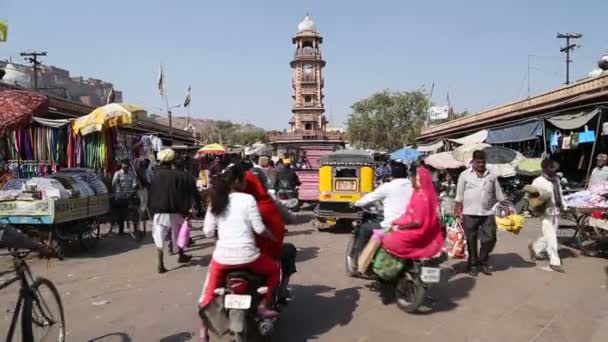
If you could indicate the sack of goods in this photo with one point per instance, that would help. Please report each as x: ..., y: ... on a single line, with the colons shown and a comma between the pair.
x: 538, y: 200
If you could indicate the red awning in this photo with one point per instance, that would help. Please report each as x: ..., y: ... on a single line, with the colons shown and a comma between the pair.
x: 17, y: 107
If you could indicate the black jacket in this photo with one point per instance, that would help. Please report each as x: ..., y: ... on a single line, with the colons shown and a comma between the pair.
x: 173, y: 192
x: 287, y: 179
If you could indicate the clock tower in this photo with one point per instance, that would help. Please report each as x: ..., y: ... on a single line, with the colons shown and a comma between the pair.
x: 307, y: 80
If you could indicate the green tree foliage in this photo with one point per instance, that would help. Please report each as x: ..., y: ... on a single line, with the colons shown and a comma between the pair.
x: 387, y: 120
x: 228, y: 132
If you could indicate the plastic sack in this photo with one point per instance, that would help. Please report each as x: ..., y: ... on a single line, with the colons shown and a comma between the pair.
x: 511, y: 223
x: 183, y: 237
x: 455, y: 242
x: 386, y: 266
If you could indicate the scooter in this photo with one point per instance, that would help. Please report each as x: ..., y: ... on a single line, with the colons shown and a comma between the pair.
x: 411, y: 285
x: 235, y: 309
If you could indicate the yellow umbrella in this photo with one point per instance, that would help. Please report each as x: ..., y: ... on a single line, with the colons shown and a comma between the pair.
x: 213, y: 149
x: 110, y: 115
x: 3, y: 30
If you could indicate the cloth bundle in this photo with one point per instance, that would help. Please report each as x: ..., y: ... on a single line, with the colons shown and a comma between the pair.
x: 595, y: 197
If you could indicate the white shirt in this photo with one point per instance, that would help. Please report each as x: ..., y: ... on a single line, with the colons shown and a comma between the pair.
x: 598, y: 176
x: 478, y: 195
x: 235, y: 226
x: 395, y: 196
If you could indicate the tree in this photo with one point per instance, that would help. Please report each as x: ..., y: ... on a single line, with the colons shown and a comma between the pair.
x: 387, y: 120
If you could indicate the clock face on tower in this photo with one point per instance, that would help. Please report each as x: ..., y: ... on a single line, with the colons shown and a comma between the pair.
x: 308, y: 69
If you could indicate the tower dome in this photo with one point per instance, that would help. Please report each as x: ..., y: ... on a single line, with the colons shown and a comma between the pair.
x: 307, y: 24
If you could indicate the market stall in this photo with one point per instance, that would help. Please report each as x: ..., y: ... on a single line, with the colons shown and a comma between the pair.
x: 589, y: 210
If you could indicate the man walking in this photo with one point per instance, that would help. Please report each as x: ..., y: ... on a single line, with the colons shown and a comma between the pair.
x: 476, y: 194
x: 548, y: 183
x: 171, y: 199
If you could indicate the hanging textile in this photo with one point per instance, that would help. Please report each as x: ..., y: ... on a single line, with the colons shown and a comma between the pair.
x: 472, y: 139
x: 432, y: 147
x: 523, y: 131
x: 574, y: 121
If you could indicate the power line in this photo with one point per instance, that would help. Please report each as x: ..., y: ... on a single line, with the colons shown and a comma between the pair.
x: 32, y: 57
x: 569, y: 47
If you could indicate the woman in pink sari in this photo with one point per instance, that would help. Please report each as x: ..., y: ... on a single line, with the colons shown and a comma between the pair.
x: 417, y: 233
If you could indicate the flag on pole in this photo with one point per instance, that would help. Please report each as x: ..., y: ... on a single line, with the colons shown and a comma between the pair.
x: 450, y: 109
x: 188, y: 97
x: 111, y: 96
x: 161, y: 81
x: 3, y: 30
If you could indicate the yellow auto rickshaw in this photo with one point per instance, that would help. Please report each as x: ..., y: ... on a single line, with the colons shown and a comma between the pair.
x: 344, y: 177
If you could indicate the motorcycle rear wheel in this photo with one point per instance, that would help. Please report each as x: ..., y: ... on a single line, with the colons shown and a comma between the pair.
x: 409, y: 293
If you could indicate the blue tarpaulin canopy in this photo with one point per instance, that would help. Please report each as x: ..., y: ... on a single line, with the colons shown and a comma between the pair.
x: 528, y: 130
x: 405, y: 154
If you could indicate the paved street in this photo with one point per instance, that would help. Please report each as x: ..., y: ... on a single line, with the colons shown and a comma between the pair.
x: 521, y: 302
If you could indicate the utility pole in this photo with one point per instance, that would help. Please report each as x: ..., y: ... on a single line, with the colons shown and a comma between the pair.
x: 32, y: 57
x: 569, y: 47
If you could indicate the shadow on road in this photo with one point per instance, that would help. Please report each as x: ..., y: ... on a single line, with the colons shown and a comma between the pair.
x: 503, y: 262
x: 500, y: 262
x: 179, y: 337
x: 307, y: 253
x: 113, y: 337
x: 300, y: 232
x: 108, y: 246
x: 316, y: 310
x: 450, y: 292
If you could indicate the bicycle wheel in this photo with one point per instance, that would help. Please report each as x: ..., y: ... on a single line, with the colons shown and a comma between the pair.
x: 42, y: 318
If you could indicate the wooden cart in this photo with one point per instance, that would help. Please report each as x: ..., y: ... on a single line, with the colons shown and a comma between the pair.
x: 588, y: 229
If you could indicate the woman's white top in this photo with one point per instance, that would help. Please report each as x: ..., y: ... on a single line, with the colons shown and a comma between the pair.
x: 235, y: 228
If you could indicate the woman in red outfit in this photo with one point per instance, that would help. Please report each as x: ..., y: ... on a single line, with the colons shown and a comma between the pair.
x: 273, y: 220
x: 418, y: 231
x: 271, y: 216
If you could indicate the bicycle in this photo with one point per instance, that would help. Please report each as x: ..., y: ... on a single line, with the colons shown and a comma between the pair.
x: 36, y: 311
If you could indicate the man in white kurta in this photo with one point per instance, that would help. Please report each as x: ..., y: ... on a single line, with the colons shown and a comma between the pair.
x: 549, y: 183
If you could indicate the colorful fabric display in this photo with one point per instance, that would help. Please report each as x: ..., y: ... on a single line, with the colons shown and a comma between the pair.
x: 587, y: 136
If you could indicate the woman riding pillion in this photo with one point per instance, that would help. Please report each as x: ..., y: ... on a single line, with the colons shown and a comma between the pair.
x: 274, y: 219
x: 417, y: 233
x: 394, y: 195
x: 236, y: 218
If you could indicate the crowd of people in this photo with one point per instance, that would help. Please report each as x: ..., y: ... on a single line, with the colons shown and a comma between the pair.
x: 249, y: 223
x: 411, y: 207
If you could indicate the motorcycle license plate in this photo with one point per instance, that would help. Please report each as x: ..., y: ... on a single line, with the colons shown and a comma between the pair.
x: 241, y: 302
x: 430, y: 275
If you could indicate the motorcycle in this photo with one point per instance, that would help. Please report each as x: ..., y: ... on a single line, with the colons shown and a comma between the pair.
x: 289, y: 198
x: 410, y: 286
x: 235, y: 309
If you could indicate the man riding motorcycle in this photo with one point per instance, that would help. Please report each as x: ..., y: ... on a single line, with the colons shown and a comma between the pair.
x: 394, y: 195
